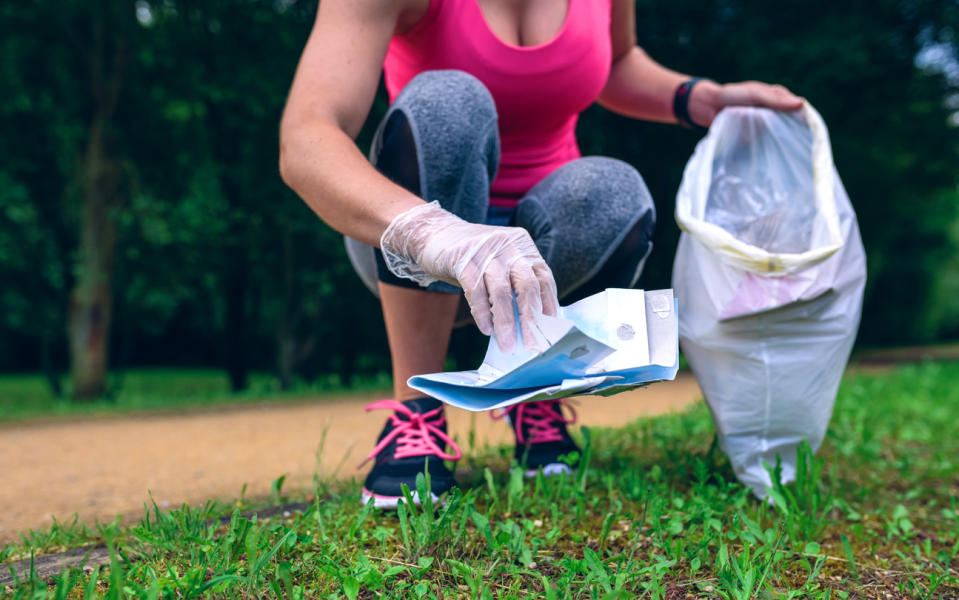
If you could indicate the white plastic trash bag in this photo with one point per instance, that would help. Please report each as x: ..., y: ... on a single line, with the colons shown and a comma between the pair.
x: 769, y: 275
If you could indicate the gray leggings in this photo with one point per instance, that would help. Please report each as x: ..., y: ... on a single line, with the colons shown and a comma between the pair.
x: 592, y: 219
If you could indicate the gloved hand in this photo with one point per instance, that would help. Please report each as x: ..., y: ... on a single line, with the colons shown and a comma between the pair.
x: 491, y: 264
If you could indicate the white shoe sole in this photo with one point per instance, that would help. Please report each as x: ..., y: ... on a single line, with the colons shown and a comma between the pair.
x: 390, y: 502
x: 549, y: 470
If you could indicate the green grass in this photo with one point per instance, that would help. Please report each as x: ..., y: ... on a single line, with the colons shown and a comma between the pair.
x: 163, y: 389
x: 655, y: 512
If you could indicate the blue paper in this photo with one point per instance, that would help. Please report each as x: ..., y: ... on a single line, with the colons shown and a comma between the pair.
x: 604, y: 344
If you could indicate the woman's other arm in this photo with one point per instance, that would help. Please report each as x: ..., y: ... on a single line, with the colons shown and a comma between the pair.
x: 329, y: 100
x: 641, y: 88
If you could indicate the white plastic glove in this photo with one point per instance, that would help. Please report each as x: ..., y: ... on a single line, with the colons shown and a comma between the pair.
x: 427, y: 243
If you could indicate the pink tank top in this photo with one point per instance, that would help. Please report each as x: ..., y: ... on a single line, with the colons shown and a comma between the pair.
x: 539, y: 91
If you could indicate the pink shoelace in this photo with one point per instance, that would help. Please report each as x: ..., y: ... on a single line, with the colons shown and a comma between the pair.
x: 542, y: 418
x: 414, y: 435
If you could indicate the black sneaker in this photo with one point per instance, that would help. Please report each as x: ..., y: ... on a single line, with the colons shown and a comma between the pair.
x: 542, y: 437
x: 412, y: 442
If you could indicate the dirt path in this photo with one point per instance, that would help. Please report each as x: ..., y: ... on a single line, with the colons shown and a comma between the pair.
x: 102, y: 468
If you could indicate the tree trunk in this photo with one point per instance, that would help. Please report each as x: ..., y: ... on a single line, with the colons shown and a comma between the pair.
x: 91, y: 299
x: 90, y: 303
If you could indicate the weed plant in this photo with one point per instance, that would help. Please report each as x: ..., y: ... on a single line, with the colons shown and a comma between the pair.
x: 654, y: 512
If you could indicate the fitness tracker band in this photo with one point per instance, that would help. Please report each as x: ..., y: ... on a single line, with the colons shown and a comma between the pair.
x: 681, y: 104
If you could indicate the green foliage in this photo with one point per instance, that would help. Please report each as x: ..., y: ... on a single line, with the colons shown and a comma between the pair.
x: 654, y: 514
x: 218, y: 264
x: 856, y: 63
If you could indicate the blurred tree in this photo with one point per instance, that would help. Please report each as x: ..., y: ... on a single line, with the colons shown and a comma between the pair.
x: 277, y: 276
x: 69, y: 63
x: 101, y: 35
x: 139, y: 184
x: 855, y: 61
x: 35, y: 242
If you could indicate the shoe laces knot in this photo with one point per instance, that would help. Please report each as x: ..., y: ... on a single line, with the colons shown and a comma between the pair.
x: 538, y: 422
x: 414, y: 434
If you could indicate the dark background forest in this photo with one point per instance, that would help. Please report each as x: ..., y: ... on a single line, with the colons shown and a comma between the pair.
x: 143, y: 221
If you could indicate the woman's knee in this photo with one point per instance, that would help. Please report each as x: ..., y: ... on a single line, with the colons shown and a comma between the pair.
x: 585, y: 214
x: 456, y: 99
x: 596, y: 192
x: 602, y: 184
x: 453, y: 126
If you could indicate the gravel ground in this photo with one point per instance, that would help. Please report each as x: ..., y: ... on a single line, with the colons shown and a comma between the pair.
x: 101, y: 468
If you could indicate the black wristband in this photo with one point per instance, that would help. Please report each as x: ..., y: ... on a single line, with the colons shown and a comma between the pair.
x: 681, y: 104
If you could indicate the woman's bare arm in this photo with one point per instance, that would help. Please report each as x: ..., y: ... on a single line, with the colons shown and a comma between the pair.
x: 640, y: 87
x: 329, y: 100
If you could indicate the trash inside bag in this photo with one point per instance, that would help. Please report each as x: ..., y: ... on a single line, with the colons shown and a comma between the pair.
x: 761, y: 190
x: 769, y: 274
